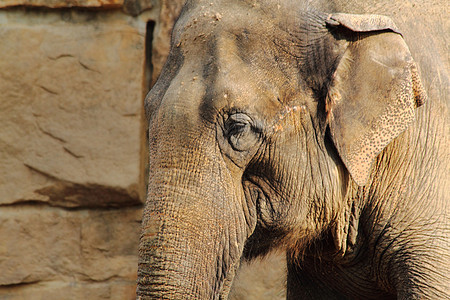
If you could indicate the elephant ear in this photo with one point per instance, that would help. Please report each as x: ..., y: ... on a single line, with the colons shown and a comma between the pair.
x: 373, y: 92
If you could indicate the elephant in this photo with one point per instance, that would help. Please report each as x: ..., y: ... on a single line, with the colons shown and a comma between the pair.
x: 318, y: 128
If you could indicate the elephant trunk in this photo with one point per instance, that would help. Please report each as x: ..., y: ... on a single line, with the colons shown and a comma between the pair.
x: 192, y: 237
x: 196, y: 219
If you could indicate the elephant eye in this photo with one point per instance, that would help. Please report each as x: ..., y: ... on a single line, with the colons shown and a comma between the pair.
x: 240, y: 131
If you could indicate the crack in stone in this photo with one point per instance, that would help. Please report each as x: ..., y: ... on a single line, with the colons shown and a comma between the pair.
x: 19, y: 284
x: 48, y: 90
x: 88, y: 68
x: 40, y: 172
x: 72, y: 153
x: 60, y: 56
x: 50, y: 134
x: 70, y: 195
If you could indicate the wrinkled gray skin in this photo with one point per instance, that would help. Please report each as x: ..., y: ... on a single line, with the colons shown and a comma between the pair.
x: 282, y: 124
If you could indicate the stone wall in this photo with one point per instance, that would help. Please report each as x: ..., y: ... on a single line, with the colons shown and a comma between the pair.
x: 73, y: 156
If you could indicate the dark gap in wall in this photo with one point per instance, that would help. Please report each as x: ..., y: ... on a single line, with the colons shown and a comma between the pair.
x: 150, y: 27
x: 148, y: 53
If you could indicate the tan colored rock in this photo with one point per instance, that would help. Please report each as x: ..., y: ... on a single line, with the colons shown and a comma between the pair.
x: 62, y: 3
x: 262, y: 278
x: 71, y: 86
x: 170, y: 10
x: 51, y: 247
x: 73, y: 290
x: 135, y: 7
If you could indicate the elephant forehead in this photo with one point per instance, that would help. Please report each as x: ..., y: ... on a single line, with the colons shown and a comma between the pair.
x: 237, y: 33
x: 199, y: 25
x: 222, y: 82
x: 232, y: 59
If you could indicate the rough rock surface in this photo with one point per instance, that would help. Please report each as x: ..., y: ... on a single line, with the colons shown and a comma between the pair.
x: 47, y: 250
x: 169, y: 11
x: 135, y: 7
x: 72, y: 84
x: 263, y: 278
x: 63, y: 3
x: 71, y: 108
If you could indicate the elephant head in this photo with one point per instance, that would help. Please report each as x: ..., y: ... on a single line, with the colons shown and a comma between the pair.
x: 263, y: 117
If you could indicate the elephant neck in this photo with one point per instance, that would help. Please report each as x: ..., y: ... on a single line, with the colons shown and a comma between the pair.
x: 402, y: 210
x: 408, y: 177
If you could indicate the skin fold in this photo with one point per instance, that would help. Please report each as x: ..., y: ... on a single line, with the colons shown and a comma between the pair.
x: 318, y: 128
